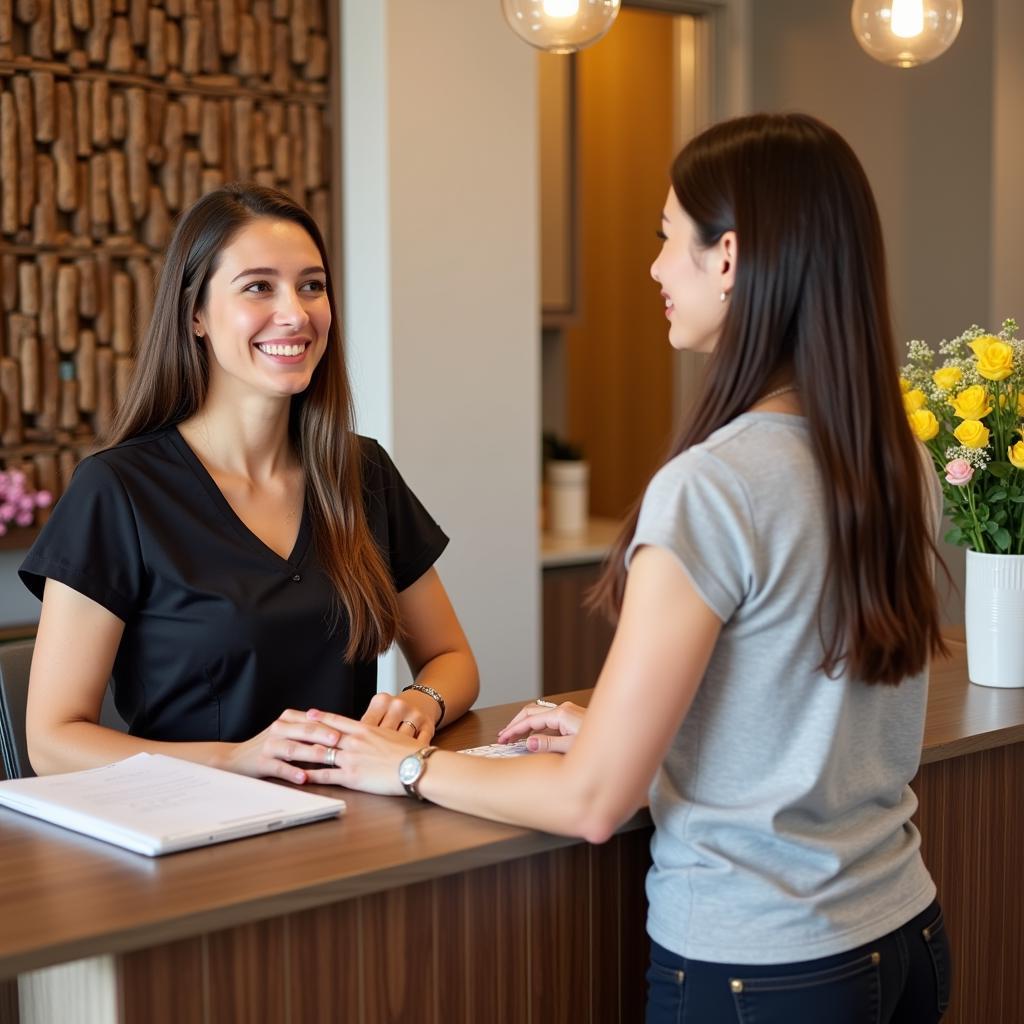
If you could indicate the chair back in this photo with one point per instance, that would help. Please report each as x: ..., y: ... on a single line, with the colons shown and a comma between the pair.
x: 15, y: 662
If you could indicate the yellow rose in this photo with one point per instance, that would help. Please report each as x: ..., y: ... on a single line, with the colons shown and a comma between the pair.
x: 1020, y: 403
x: 1016, y: 454
x: 972, y: 434
x: 947, y: 377
x: 924, y: 424
x: 972, y: 403
x: 913, y: 400
x: 995, y: 357
x: 904, y: 385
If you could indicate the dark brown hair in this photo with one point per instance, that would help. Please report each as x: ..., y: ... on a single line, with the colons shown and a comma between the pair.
x: 170, y: 382
x: 810, y: 304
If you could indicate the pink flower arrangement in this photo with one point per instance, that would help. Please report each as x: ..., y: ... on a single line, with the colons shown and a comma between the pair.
x: 18, y: 501
x: 959, y: 472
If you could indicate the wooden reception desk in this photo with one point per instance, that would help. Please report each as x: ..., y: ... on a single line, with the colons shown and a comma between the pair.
x: 401, y: 911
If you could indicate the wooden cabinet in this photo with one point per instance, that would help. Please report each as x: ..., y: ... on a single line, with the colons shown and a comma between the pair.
x: 575, y: 641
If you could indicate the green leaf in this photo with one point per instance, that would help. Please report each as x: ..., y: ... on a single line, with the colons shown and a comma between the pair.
x: 1000, y: 469
x: 1017, y: 498
x: 1002, y: 539
x: 997, y: 495
x: 982, y: 512
x: 1000, y: 516
x: 991, y: 527
x: 954, y: 536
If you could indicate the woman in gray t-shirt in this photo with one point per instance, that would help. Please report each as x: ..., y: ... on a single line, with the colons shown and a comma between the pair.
x: 776, y: 613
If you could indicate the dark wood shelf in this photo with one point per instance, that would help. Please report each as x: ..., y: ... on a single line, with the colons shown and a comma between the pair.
x: 19, y: 538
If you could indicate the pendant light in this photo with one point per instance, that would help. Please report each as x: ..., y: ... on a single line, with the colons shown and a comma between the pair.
x: 905, y: 33
x: 560, y: 26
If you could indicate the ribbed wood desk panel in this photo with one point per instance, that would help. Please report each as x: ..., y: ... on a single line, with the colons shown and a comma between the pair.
x: 407, y: 912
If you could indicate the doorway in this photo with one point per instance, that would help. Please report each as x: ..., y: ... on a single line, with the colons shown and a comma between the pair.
x: 611, y: 383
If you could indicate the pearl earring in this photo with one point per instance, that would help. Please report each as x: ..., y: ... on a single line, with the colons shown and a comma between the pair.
x: 724, y: 296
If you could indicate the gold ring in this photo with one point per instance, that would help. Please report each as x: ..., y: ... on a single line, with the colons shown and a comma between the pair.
x: 332, y: 753
x: 415, y: 727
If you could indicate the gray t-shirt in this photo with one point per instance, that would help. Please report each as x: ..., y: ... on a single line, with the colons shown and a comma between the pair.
x: 782, y: 808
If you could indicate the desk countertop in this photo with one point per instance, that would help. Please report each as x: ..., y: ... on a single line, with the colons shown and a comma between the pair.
x: 587, y: 548
x: 65, y: 896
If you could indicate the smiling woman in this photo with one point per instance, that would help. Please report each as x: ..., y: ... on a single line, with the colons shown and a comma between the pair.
x: 236, y: 554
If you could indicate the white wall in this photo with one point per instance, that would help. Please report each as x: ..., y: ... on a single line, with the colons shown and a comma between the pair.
x: 441, y: 295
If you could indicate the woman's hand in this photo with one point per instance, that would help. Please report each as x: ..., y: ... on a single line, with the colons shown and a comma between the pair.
x: 412, y: 714
x: 291, y: 737
x: 368, y: 755
x: 565, y: 719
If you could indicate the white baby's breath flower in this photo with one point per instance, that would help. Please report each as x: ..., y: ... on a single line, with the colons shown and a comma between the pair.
x: 979, y: 458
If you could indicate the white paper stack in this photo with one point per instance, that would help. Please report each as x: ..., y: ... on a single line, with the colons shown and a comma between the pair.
x: 154, y: 804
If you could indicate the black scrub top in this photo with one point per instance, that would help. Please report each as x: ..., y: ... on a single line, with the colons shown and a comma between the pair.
x: 221, y: 633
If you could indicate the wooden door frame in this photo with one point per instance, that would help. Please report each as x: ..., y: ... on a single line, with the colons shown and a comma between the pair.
x: 727, y: 39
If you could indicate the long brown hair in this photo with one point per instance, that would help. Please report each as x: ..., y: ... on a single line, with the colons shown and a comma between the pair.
x: 810, y: 301
x: 171, y: 379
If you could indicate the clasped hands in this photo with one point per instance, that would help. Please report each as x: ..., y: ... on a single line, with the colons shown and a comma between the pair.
x: 299, y: 739
x: 328, y: 749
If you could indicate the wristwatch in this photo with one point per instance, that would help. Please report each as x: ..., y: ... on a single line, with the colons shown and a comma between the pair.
x: 411, y: 769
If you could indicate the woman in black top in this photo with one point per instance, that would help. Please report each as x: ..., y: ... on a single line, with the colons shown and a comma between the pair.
x: 237, y: 554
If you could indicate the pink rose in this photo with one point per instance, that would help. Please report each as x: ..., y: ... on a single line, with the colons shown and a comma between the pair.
x: 959, y: 472
x: 23, y: 518
x: 44, y: 499
x: 8, y: 510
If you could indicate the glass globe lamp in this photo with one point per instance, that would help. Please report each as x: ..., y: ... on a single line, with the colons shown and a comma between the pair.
x: 560, y: 26
x: 905, y: 33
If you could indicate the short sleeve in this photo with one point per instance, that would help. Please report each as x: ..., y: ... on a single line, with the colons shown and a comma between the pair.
x: 90, y: 542
x: 697, y: 508
x: 414, y: 540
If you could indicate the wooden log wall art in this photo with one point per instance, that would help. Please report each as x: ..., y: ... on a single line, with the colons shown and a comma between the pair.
x: 115, y: 115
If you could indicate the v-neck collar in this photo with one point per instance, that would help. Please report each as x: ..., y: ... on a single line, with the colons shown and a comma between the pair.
x: 231, y: 517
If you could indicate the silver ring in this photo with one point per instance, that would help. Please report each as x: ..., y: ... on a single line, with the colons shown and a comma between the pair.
x: 415, y: 727
x: 332, y: 753
x: 545, y: 703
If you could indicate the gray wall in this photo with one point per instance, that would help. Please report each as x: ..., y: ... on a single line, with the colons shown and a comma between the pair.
x: 924, y: 136
x: 941, y: 145
x: 1008, y: 162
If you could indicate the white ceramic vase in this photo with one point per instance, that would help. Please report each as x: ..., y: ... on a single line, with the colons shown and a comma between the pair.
x: 567, y: 495
x: 994, y: 619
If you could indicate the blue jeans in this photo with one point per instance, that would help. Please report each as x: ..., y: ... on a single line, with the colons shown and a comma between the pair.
x: 901, y: 978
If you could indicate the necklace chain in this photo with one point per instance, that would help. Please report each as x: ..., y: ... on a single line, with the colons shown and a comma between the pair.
x: 778, y: 391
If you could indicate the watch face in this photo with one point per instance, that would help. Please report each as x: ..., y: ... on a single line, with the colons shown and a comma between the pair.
x: 409, y: 768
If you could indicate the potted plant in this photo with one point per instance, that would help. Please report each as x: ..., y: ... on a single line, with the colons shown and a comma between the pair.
x: 567, y: 476
x: 969, y: 413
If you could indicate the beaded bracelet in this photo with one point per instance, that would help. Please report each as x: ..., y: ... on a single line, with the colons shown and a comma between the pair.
x: 430, y: 692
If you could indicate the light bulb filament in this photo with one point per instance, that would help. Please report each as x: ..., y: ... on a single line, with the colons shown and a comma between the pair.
x: 561, y: 8
x: 907, y: 18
